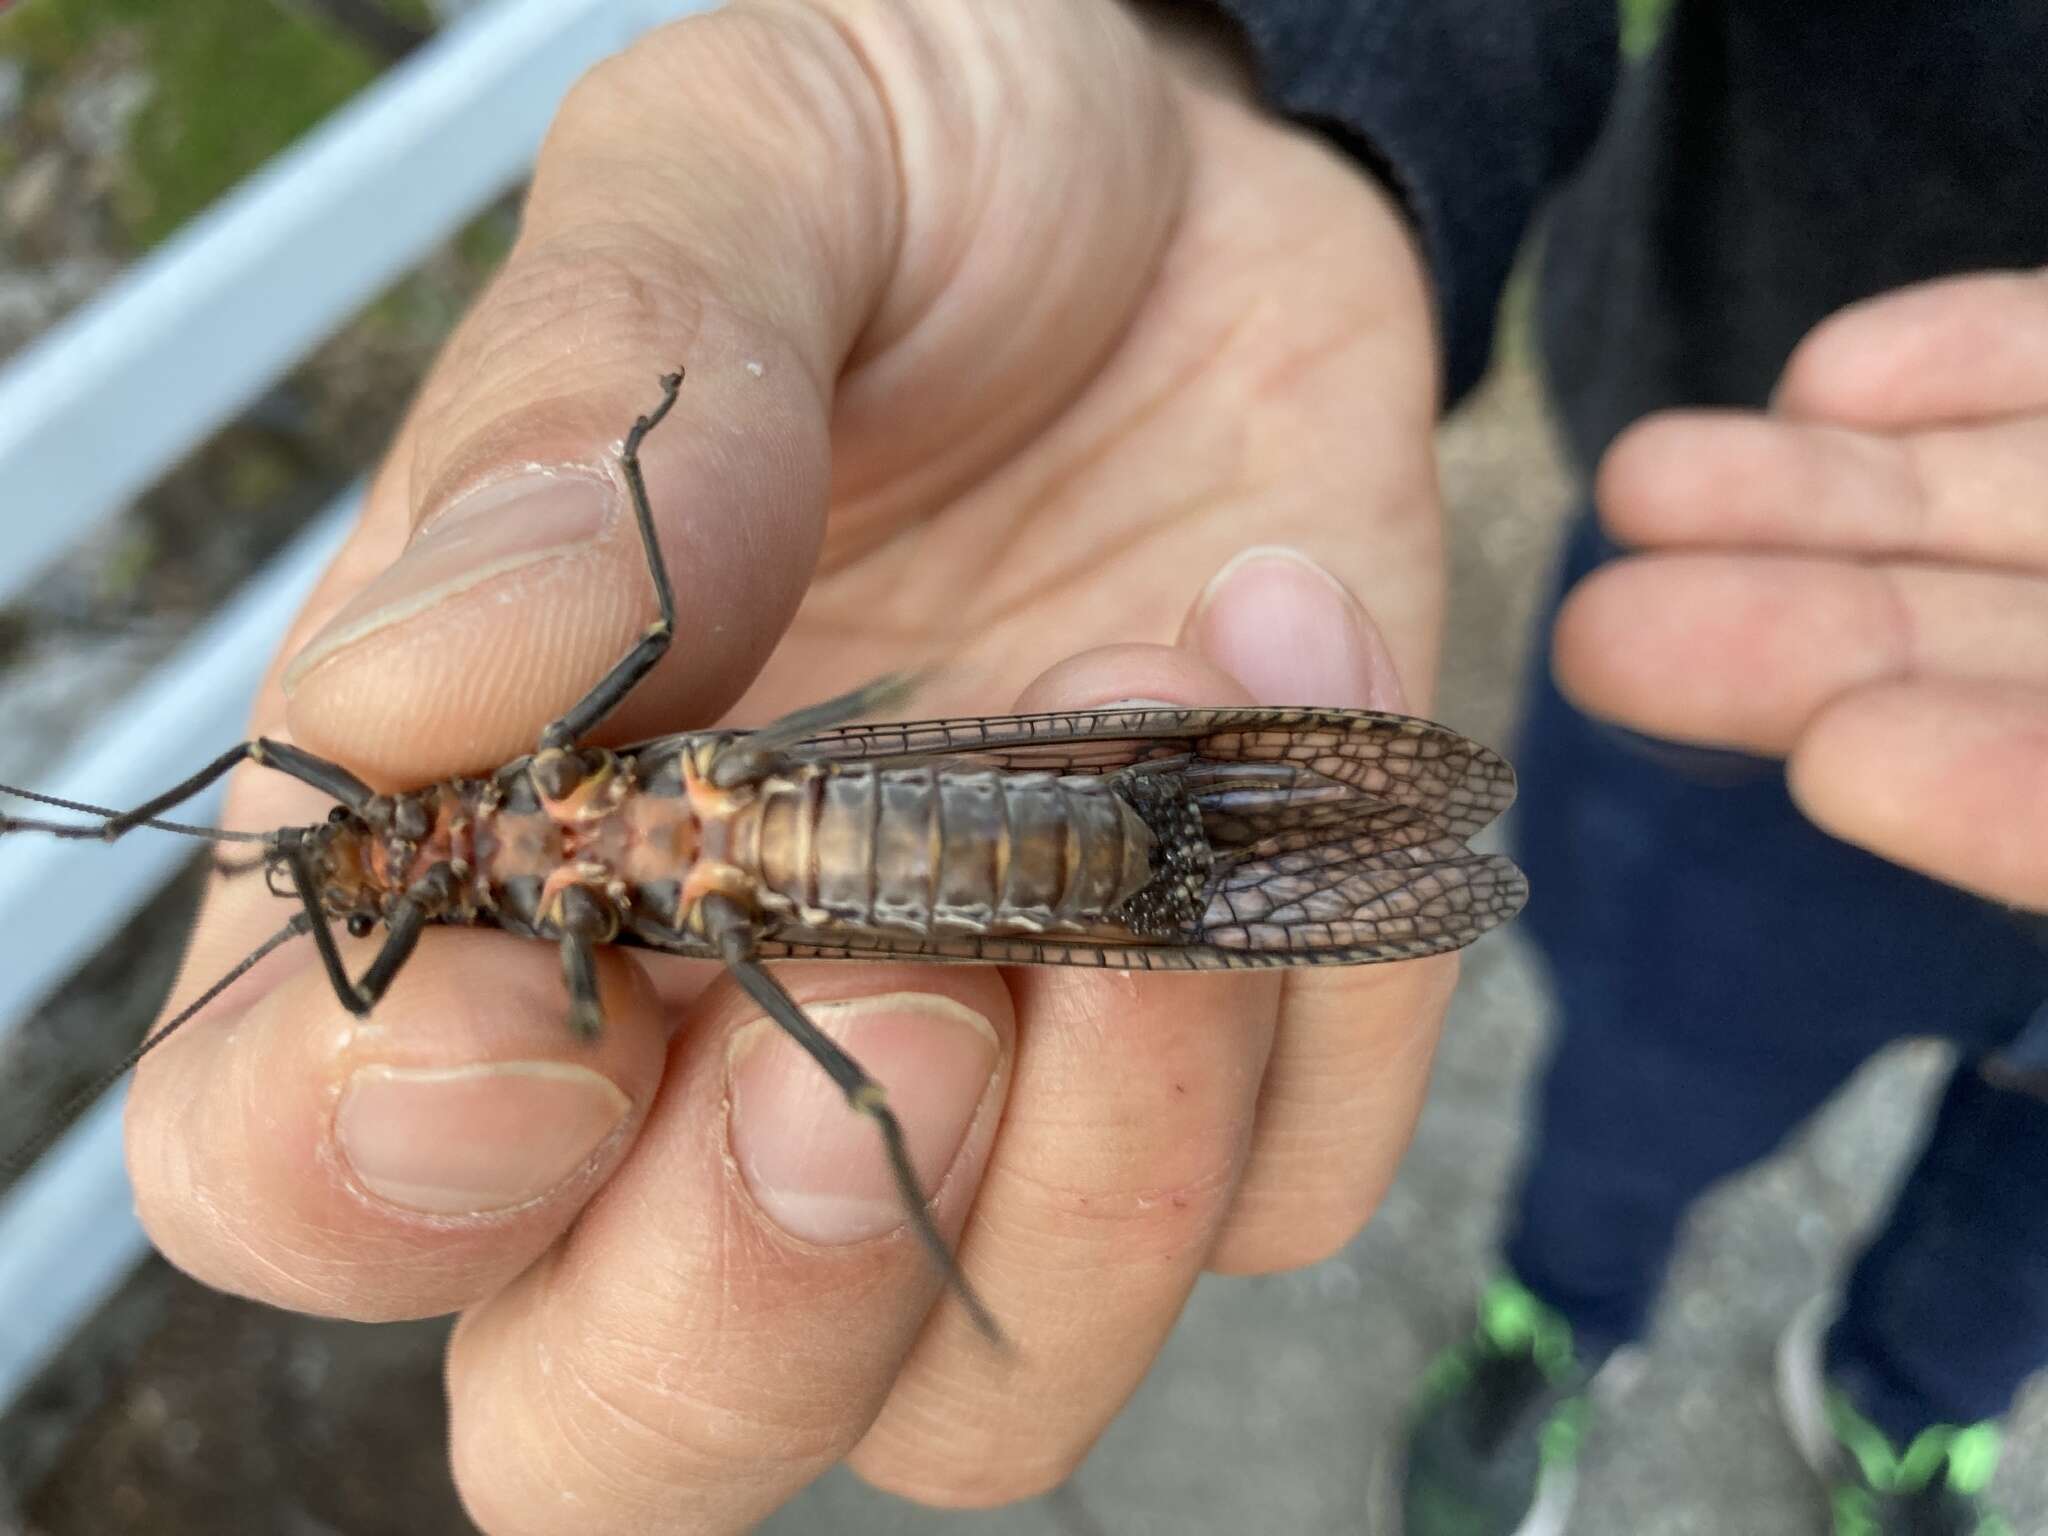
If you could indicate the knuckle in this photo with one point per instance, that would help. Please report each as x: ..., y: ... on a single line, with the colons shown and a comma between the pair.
x: 552, y: 339
x: 673, y: 1421
x: 630, y: 1425
x: 1153, y: 1209
x: 608, y: 283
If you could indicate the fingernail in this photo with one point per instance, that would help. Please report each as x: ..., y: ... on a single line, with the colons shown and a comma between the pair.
x: 1293, y: 634
x: 461, y: 1141
x: 813, y: 1164
x: 530, y: 517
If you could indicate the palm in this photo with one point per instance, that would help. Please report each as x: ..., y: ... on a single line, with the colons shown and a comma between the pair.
x: 1263, y: 392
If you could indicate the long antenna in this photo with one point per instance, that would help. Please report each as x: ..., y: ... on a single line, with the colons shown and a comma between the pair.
x: 67, y: 829
x: 18, y: 1160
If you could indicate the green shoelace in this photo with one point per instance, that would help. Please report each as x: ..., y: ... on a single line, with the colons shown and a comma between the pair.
x: 1512, y: 1321
x: 1967, y: 1455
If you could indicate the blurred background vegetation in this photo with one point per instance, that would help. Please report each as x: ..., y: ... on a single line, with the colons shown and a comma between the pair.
x: 120, y: 120
x: 230, y: 82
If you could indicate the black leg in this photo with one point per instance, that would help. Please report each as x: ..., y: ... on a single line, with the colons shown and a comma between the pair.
x: 734, y: 935
x: 653, y: 645
x: 329, y: 778
x: 404, y: 922
x: 758, y: 753
x: 584, y: 922
x: 402, y: 930
x: 579, y: 975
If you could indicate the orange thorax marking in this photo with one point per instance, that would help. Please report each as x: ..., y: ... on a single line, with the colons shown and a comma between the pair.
x: 719, y: 815
x: 604, y: 835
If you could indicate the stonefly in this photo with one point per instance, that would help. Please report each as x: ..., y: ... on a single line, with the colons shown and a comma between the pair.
x: 1127, y: 838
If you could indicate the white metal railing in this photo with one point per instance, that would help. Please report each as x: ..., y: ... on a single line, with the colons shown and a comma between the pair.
x: 101, y: 405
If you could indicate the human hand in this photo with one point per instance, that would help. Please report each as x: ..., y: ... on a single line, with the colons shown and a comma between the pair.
x: 1856, y: 581
x: 1002, y: 340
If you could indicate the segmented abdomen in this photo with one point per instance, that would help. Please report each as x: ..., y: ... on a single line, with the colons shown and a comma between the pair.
x: 931, y: 849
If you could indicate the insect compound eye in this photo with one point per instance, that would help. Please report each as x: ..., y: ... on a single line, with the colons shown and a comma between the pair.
x: 338, y: 815
x: 360, y: 924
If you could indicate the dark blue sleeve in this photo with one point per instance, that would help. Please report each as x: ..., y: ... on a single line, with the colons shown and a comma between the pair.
x: 1471, y: 110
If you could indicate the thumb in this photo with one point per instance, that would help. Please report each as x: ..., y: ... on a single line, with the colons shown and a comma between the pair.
x: 755, y: 197
x: 522, y: 577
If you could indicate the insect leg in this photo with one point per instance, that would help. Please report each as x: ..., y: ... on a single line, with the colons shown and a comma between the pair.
x: 404, y: 921
x: 758, y: 753
x: 639, y: 661
x: 585, y: 922
x: 733, y: 932
x: 329, y: 778
x: 579, y: 975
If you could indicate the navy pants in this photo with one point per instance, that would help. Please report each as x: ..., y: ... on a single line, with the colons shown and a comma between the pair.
x: 1721, y: 968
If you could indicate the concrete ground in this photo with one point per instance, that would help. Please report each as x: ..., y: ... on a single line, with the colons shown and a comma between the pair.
x: 1273, y: 1403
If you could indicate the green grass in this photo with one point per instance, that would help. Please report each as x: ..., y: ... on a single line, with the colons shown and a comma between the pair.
x: 235, y: 81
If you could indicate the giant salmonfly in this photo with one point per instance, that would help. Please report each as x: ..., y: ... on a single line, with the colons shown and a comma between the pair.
x: 1134, y: 838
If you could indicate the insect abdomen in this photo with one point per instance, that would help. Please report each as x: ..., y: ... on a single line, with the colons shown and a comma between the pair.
x: 931, y: 849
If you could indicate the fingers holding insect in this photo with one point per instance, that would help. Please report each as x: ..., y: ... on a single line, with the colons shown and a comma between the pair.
x: 1337, y: 1108
x: 629, y: 266
x: 1127, y: 1127
x: 730, y: 1312
x: 1352, y: 1052
x: 401, y: 1165
x: 1159, y: 1124
x: 866, y: 316
x: 522, y: 586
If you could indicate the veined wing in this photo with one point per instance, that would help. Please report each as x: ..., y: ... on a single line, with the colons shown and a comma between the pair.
x: 1294, y: 912
x: 1393, y: 759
